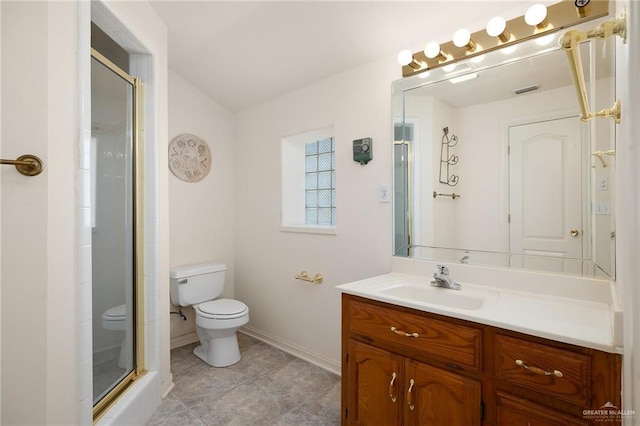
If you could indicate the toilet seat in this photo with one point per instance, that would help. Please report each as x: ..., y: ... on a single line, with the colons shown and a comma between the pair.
x: 117, y: 313
x: 222, y: 309
x: 115, y: 319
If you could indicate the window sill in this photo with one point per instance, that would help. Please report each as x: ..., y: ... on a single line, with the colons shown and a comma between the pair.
x: 310, y: 229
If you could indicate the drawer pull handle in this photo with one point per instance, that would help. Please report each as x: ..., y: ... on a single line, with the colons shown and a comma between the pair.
x: 537, y: 370
x: 404, y: 333
x: 393, y: 379
x: 410, y: 395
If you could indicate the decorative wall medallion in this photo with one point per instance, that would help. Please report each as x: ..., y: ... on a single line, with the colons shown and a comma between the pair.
x: 189, y: 158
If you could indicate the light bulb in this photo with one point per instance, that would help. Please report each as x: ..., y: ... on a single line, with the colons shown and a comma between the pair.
x: 432, y: 49
x: 536, y: 16
x: 496, y: 26
x: 405, y: 57
x: 462, y: 37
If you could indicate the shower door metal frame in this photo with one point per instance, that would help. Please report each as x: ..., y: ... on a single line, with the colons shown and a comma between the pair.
x: 138, y: 236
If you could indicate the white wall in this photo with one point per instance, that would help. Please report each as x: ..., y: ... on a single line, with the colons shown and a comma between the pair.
x: 201, y: 214
x: 289, y: 312
x: 628, y: 202
x: 0, y: 210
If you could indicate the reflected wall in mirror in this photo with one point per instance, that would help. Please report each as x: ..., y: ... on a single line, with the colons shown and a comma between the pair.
x: 529, y: 191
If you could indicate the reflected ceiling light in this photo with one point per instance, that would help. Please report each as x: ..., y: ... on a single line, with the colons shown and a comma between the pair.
x: 462, y: 78
x: 405, y: 57
x: 497, y: 27
x: 477, y: 59
x: 536, y: 16
x: 424, y: 74
x: 449, y: 68
x: 432, y: 50
x: 509, y: 50
x: 546, y: 40
x: 462, y: 38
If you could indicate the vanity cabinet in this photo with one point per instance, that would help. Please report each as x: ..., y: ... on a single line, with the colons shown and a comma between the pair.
x: 389, y: 390
x: 403, y: 366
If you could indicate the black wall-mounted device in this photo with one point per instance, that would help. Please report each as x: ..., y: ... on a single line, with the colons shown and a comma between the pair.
x: 363, y: 150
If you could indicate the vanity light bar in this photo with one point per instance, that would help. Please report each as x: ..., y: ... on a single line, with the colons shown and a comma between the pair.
x: 559, y: 16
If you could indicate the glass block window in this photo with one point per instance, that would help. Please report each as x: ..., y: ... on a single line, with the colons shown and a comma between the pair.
x: 320, y: 182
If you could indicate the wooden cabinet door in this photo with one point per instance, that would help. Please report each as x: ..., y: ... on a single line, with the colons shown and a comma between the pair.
x: 437, y: 397
x: 375, y: 392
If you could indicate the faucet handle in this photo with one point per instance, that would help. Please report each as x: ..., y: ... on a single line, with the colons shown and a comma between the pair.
x: 443, y: 270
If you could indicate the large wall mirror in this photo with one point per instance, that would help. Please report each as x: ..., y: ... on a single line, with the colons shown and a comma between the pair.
x: 493, y: 165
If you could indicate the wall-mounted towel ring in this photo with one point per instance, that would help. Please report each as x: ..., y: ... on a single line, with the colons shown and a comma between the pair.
x: 304, y: 276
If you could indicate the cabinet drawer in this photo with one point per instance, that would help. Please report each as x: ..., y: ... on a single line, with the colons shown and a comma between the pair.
x: 514, y: 411
x: 557, y: 372
x: 452, y: 343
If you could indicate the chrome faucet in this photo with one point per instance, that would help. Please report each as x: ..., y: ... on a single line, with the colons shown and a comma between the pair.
x: 441, y: 279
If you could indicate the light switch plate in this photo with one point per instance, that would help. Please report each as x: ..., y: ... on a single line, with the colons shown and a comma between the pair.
x: 602, y: 208
x: 385, y: 196
x: 603, y: 184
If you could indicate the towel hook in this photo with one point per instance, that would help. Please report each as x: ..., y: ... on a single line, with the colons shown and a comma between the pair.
x: 28, y: 165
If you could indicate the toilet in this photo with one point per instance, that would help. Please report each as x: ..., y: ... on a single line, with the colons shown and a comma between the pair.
x: 115, y: 319
x: 217, y: 320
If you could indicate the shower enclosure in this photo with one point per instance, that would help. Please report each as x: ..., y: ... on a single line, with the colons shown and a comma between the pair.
x: 116, y: 306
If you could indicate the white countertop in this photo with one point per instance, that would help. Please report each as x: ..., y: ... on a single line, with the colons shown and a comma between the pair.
x: 591, y: 319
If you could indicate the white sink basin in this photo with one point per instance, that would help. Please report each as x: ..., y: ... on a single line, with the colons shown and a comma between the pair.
x: 467, y: 299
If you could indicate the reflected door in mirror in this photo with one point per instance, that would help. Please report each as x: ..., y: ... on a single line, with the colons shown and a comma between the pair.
x: 545, y: 196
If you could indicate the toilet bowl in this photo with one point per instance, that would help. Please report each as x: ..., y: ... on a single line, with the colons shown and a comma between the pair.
x: 217, y: 320
x: 115, y: 319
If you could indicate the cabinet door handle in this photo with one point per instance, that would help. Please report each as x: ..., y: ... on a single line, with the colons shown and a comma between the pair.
x: 404, y: 333
x: 537, y: 370
x: 391, y: 393
x: 410, y: 395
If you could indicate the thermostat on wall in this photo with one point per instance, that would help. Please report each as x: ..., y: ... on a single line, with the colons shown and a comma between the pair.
x: 363, y: 150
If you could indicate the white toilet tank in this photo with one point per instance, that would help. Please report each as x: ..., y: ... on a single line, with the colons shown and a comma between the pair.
x: 193, y: 284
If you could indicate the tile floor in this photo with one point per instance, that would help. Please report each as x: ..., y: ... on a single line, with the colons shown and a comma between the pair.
x: 267, y: 387
x: 106, y: 371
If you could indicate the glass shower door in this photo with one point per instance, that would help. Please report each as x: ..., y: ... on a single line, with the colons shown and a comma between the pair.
x: 403, y: 137
x: 113, y: 224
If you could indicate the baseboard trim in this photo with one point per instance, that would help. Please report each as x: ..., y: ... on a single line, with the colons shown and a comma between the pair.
x: 185, y: 339
x: 295, y: 350
x: 167, y: 387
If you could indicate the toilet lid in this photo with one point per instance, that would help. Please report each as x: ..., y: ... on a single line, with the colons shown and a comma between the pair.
x: 223, y: 308
x: 116, y: 313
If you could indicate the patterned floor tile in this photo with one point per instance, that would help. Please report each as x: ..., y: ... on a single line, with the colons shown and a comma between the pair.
x: 268, y: 387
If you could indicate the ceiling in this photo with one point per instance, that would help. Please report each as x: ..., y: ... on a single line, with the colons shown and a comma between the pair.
x: 242, y: 53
